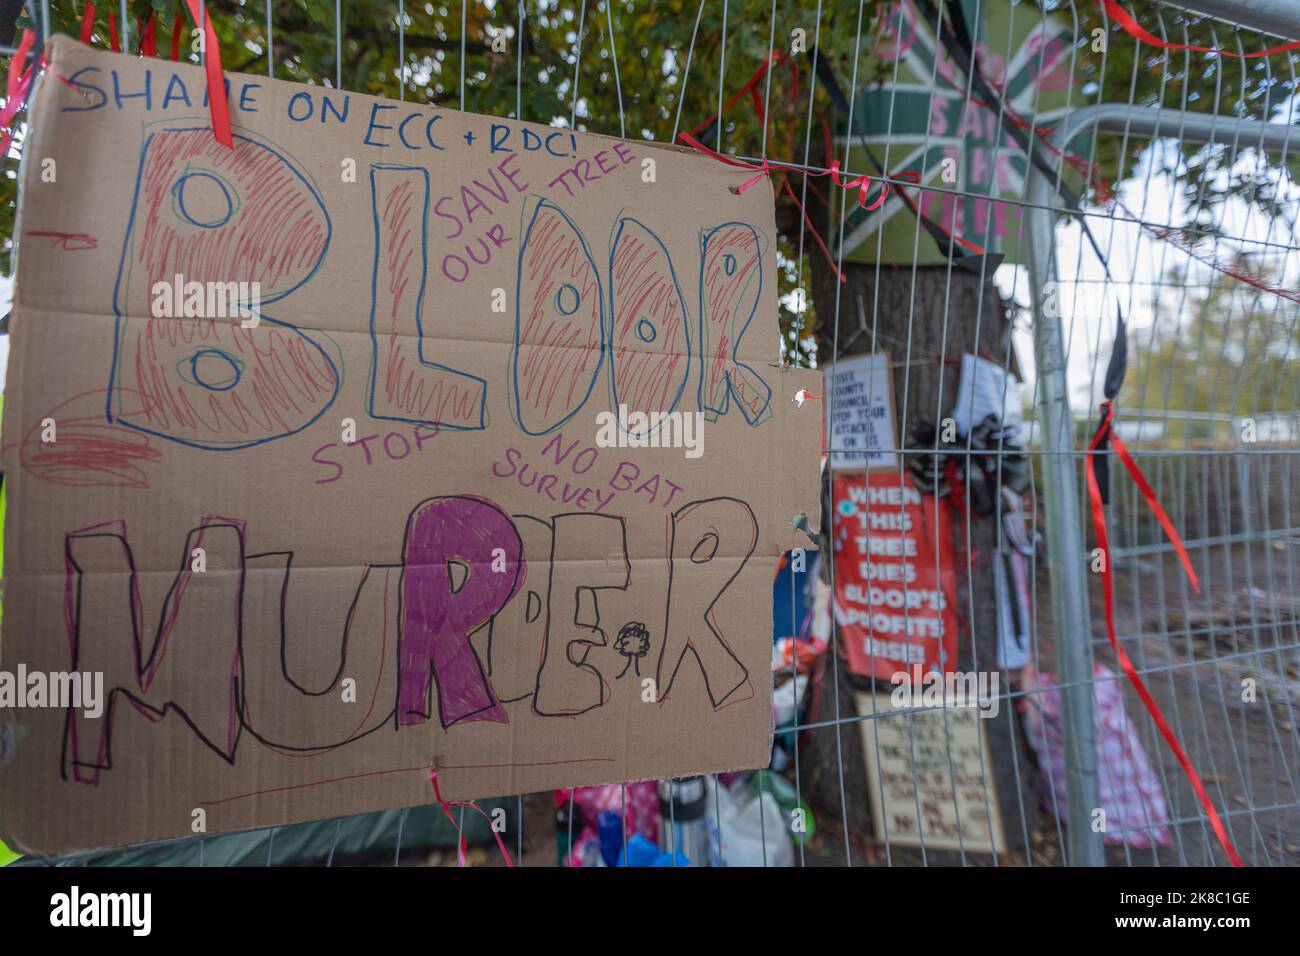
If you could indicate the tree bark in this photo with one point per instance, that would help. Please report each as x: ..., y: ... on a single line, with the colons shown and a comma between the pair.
x: 888, y: 308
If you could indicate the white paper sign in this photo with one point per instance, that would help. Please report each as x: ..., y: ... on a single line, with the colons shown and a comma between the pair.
x: 985, y: 388
x: 860, y: 413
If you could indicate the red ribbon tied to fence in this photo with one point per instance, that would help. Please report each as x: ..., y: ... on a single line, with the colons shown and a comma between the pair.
x: 446, y: 809
x: 1135, y: 30
x: 216, y: 82
x: 17, y: 84
x: 87, y: 23
x: 218, y: 104
x: 1106, y: 432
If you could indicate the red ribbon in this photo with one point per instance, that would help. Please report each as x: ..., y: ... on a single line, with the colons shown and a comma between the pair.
x: 216, y: 82
x: 16, y: 71
x: 217, y: 101
x: 860, y: 184
x: 87, y: 23
x: 17, y: 84
x: 1134, y: 29
x: 176, y: 34
x: 740, y: 164
x: 148, y: 38
x: 446, y: 808
x: 1150, y: 496
x: 1107, y: 589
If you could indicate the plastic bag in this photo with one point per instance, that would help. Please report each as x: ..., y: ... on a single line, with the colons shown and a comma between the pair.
x: 747, y: 829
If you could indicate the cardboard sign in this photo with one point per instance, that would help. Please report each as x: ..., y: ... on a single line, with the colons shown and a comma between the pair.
x: 894, y: 592
x: 485, y: 470
x: 860, y: 413
x: 930, y: 777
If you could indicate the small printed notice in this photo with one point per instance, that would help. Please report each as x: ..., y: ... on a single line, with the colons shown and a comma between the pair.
x: 860, y: 413
x: 930, y: 777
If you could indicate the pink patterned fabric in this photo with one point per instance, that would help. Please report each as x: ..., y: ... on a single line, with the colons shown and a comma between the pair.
x: 641, y: 809
x: 1131, y: 795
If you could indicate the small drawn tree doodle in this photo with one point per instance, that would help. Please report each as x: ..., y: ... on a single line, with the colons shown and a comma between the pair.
x: 633, y: 642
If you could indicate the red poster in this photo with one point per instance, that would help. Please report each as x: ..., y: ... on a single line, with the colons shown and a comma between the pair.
x: 894, y: 599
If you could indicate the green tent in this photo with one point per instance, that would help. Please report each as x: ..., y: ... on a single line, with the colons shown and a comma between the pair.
x: 370, y: 837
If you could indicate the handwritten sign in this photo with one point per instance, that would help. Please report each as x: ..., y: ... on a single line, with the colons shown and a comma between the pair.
x: 894, y: 576
x: 930, y: 777
x: 860, y: 413
x: 366, y: 523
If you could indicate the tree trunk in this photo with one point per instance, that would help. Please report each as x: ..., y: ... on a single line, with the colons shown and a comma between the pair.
x: 899, y: 311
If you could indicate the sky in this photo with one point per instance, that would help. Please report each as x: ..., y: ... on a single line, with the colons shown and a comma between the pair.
x: 1140, y: 262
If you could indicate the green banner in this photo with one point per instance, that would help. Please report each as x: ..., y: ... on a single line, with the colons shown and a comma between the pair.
x: 917, y: 117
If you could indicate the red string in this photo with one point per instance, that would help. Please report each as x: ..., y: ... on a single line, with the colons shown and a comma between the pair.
x: 775, y: 58
x: 812, y: 230
x: 87, y: 23
x: 1181, y: 239
x: 1134, y: 29
x: 66, y: 81
x: 446, y: 808
x: 915, y: 179
x: 1107, y: 590
x: 751, y: 86
x: 1092, y: 174
x: 861, y: 183
x: 18, y: 85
